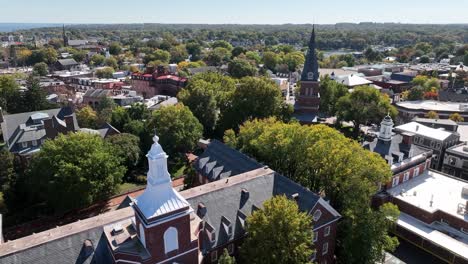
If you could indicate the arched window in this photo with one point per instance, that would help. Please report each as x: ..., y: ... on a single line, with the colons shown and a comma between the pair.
x: 317, y: 215
x: 171, y: 241
x: 142, y: 235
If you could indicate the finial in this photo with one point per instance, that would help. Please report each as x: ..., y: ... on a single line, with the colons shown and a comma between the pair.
x: 155, y: 138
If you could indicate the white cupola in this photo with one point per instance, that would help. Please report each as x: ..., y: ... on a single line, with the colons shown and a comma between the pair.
x: 386, y: 127
x: 159, y: 198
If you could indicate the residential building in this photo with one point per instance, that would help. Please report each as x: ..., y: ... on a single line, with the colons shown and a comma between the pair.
x: 456, y: 161
x: 24, y: 133
x: 437, y: 140
x: 165, y: 226
x: 93, y: 97
x: 352, y: 80
x: 405, y: 159
x: 433, y: 214
x: 66, y: 65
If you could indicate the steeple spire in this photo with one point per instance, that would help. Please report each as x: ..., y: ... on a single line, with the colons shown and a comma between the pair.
x: 64, y: 35
x: 310, y: 71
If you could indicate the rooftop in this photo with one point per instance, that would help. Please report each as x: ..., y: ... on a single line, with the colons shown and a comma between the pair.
x: 416, y: 128
x: 461, y: 149
x: 430, y: 105
x: 435, y: 121
x: 444, y: 191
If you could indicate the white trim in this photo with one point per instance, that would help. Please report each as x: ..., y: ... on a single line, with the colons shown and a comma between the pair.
x: 334, y: 220
x: 316, y: 234
x: 325, y: 249
x: 127, y: 261
x: 186, y: 252
x: 327, y: 231
x: 165, y: 219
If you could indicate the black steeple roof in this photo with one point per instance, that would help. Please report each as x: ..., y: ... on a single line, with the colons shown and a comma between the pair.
x: 310, y: 71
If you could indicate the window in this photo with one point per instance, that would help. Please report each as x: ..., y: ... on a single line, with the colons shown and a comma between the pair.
x: 24, y: 144
x: 317, y: 215
x: 171, y: 241
x: 231, y: 248
x: 142, y: 235
x: 416, y: 172
x: 432, y: 144
x: 438, y: 146
x: 214, y: 256
x: 325, y: 248
x: 395, y: 181
x: 34, y: 143
x: 316, y: 236
x: 327, y: 231
x: 405, y: 176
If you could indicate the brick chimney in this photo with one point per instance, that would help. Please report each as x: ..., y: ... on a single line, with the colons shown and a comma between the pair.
x: 407, y: 138
x: 51, y: 131
x: 70, y: 124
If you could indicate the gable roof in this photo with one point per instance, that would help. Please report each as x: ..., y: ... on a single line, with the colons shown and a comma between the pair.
x: 423, y: 130
x: 220, y: 161
x: 67, y: 62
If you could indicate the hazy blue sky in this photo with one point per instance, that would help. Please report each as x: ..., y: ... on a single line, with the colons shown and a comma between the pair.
x: 234, y: 11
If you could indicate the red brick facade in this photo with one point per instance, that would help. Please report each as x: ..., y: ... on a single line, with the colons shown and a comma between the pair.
x: 309, y: 97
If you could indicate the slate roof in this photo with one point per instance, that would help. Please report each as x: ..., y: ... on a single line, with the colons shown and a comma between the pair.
x: 96, y: 93
x: 14, y: 125
x: 231, y: 203
x: 393, y: 148
x: 220, y: 161
x: 452, y: 96
x: 67, y: 62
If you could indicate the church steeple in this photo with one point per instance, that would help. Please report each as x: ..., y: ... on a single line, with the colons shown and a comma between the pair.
x: 64, y: 35
x: 310, y: 71
x: 386, y: 127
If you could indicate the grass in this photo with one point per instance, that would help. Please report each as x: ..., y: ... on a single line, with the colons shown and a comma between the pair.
x: 128, y: 186
x: 180, y: 171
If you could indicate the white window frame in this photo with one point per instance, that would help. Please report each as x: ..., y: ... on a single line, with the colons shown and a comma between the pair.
x: 325, y: 248
x: 24, y: 144
x: 230, y: 248
x: 395, y: 181
x: 171, y: 240
x: 406, y: 176
x: 34, y: 143
x: 317, y: 215
x: 416, y: 172
x: 214, y: 256
x: 316, y: 234
x: 327, y: 231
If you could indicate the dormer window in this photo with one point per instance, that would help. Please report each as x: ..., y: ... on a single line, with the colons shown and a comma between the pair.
x: 227, y: 225
x: 295, y: 196
x: 210, y: 232
x: 34, y: 143
x: 317, y: 215
x: 242, y: 218
x: 24, y: 144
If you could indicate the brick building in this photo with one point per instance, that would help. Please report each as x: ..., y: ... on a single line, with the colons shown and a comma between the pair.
x: 159, y: 82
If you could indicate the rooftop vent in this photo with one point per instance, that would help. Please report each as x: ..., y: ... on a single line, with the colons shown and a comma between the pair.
x: 117, y: 229
x: 295, y: 196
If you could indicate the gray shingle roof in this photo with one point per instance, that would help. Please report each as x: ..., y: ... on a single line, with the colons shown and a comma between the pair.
x: 395, y: 146
x: 220, y: 161
x: 67, y: 62
x: 95, y: 93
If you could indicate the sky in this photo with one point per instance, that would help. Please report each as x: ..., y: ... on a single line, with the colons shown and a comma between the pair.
x: 234, y: 11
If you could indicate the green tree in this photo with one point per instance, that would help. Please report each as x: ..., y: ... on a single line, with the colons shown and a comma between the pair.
x: 432, y: 115
x: 138, y: 111
x: 127, y: 147
x: 416, y: 93
x: 177, y: 128
x: 208, y: 95
x: 178, y: 53
x: 238, y: 51
x: 87, y: 117
x: 194, y: 49
x: 330, y: 93
x: 456, y: 117
x: 279, y: 233
x: 270, y: 59
x: 111, y: 62
x: 115, y: 48
x: 65, y: 181
x: 293, y: 60
x: 239, y: 68
x: 119, y: 117
x: 40, y: 69
x: 226, y: 259
x: 218, y: 56
x: 7, y: 169
x: 34, y: 98
x: 365, y: 105
x: 9, y: 94
x: 221, y: 44
x: 245, y: 104
x: 159, y: 55
x: 97, y: 59
x: 106, y: 72
x: 79, y: 55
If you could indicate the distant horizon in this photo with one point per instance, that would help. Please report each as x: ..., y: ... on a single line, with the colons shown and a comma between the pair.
x: 259, y: 24
x: 271, y: 12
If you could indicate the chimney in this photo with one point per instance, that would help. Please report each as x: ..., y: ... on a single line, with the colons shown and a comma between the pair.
x: 70, y: 124
x: 51, y: 132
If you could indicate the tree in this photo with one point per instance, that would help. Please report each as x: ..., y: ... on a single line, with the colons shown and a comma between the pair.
x: 160, y: 55
x: 127, y: 147
x: 363, y: 106
x: 40, y: 69
x: 106, y: 72
x: 325, y: 161
x: 424, y: 59
x: 226, y: 259
x: 64, y: 181
x: 115, y: 48
x: 238, y: 51
x: 330, y: 92
x: 178, y: 53
x: 416, y: 93
x: 97, y: 59
x: 279, y: 233
x: 9, y: 94
x: 270, y: 59
x: 221, y: 44
x: 111, y: 62
x: 79, y: 55
x: 239, y: 68
x: 119, y: 117
x: 7, y: 169
x: 194, y: 49
x: 293, y: 60
x: 432, y: 115
x: 87, y: 117
x: 34, y: 98
x: 208, y: 95
x: 456, y: 117
x: 177, y: 128
x: 245, y: 104
x: 218, y: 56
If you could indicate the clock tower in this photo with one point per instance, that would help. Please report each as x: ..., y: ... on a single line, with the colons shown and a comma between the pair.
x: 308, y: 99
